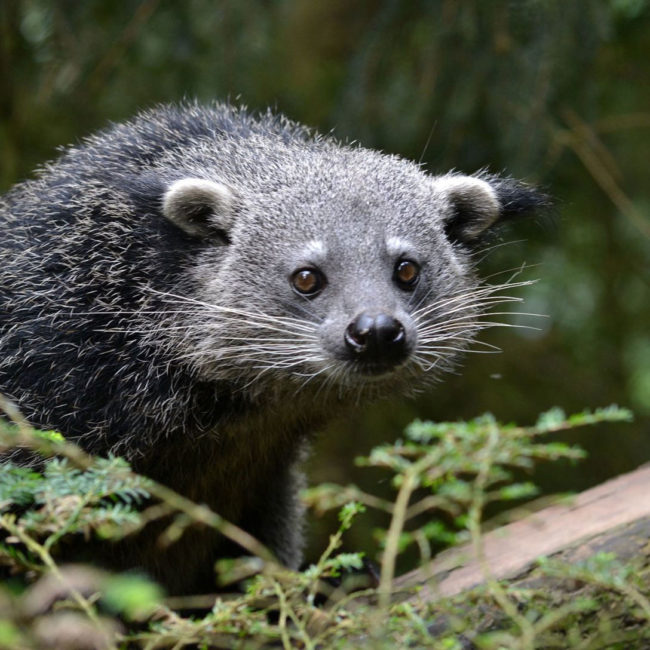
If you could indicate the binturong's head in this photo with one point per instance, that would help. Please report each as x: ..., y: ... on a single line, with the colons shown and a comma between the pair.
x: 336, y: 269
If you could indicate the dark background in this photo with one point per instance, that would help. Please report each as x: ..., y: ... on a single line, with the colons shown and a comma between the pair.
x: 551, y: 91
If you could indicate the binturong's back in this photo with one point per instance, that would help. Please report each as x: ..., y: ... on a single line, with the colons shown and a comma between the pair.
x: 201, y: 289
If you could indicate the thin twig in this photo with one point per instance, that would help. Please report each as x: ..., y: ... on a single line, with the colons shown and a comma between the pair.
x: 595, y: 165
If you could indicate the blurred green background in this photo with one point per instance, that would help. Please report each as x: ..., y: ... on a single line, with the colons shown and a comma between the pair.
x: 551, y: 91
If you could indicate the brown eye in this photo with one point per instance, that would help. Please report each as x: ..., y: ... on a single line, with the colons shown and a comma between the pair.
x: 308, y: 282
x: 407, y: 274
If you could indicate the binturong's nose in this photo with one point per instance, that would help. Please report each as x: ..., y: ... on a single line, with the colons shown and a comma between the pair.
x: 378, y: 340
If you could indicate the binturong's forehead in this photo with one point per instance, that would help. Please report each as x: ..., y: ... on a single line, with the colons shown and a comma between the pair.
x: 351, y: 197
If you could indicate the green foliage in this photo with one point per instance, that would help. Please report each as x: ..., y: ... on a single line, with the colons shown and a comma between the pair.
x: 439, y: 458
x: 132, y: 596
x: 9, y: 635
x: 63, y: 499
x: 455, y: 468
x: 18, y: 486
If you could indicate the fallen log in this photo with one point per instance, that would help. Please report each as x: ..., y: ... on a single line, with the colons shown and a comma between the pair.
x: 613, y: 517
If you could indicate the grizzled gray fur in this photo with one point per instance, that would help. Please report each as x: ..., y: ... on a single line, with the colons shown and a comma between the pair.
x: 199, y: 289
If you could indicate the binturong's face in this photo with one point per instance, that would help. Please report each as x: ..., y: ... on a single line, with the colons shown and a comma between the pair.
x: 351, y: 278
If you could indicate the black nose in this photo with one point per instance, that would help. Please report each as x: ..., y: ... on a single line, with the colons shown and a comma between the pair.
x: 379, y: 339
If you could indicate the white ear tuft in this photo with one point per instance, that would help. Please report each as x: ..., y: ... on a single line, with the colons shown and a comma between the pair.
x: 200, y: 207
x: 473, y: 205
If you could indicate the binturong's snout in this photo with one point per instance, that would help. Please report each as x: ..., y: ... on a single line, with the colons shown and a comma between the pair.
x: 377, y: 341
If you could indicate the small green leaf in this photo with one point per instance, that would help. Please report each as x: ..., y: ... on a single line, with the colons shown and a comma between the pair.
x: 347, y: 561
x: 9, y: 635
x: 517, y: 491
x: 551, y: 419
x: 348, y: 512
x: 133, y: 596
x: 52, y: 436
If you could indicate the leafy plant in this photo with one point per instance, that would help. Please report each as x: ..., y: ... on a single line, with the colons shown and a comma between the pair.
x: 453, y: 469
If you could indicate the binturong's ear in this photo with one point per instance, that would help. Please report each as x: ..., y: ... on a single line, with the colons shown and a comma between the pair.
x: 200, y: 207
x: 474, y: 205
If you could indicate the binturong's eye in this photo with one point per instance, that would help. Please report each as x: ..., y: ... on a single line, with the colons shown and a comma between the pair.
x: 407, y: 274
x: 308, y: 282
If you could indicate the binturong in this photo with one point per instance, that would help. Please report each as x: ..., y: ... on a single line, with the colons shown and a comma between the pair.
x: 200, y: 289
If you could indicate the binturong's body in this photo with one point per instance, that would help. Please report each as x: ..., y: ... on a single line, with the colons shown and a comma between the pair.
x: 200, y: 289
